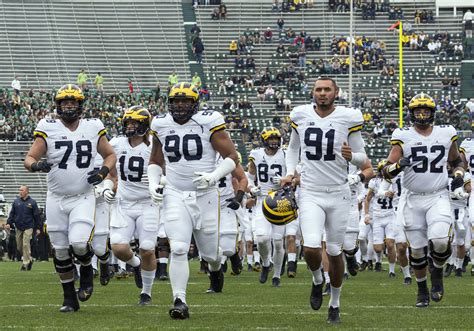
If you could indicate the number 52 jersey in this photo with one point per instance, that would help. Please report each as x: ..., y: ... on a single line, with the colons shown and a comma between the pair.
x: 71, y: 153
x: 187, y: 147
x: 321, y: 140
x: 428, y: 154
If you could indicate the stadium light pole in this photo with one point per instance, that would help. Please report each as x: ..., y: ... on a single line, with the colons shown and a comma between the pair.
x: 350, y: 51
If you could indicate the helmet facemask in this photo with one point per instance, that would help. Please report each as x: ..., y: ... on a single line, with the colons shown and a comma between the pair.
x: 67, y: 113
x: 140, y: 128
x: 272, y: 142
x: 181, y: 109
x: 422, y: 116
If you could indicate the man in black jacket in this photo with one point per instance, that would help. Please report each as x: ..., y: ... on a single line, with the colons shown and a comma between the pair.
x: 25, y: 216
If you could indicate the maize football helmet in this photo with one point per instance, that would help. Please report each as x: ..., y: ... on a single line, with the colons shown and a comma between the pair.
x: 271, y: 133
x: 69, y: 92
x: 182, y: 113
x: 422, y: 100
x: 380, y: 166
x: 279, y: 207
x: 141, y: 116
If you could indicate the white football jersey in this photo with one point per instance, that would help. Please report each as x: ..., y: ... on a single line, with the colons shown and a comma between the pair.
x: 429, y: 156
x: 268, y: 166
x: 397, y: 187
x: 132, y: 165
x: 467, y: 148
x: 321, y: 140
x: 380, y: 206
x: 71, y: 153
x: 224, y: 185
x: 187, y: 148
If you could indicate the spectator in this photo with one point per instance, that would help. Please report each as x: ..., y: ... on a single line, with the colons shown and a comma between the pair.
x: 269, y: 92
x: 130, y: 86
x: 226, y: 105
x: 173, y: 79
x: 157, y: 91
x: 261, y: 92
x: 198, y: 49
x: 82, y: 79
x: 229, y: 84
x: 250, y: 63
x: 99, y: 83
x: 223, y: 11
x: 195, y: 30
x: 280, y: 49
x: 233, y: 47
x: 25, y: 217
x: 239, y: 63
x: 16, y: 85
x: 445, y: 82
x: 286, y: 103
x: 215, y: 14
x: 467, y: 21
x: 302, y: 57
x: 222, y: 88
x: 280, y: 24
x: 268, y: 35
x: 417, y: 16
x: 196, y: 80
x: 244, y: 131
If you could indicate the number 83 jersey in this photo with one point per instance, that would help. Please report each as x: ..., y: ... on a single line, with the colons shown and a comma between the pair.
x: 71, y: 153
x: 428, y: 154
x: 268, y: 166
x: 132, y: 164
x: 321, y: 140
x: 187, y: 148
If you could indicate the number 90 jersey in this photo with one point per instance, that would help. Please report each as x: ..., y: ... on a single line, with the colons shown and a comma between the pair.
x: 187, y: 148
x: 429, y: 155
x: 71, y: 153
x: 321, y: 140
x: 132, y: 164
x: 267, y: 167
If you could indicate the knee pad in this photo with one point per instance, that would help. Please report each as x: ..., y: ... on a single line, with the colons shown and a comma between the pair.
x: 147, y: 245
x: 116, y: 239
x: 351, y: 252
x: 278, y: 244
x: 63, y: 266
x: 82, y: 252
x: 228, y: 245
x: 163, y: 245
x: 62, y: 254
x: 262, y: 240
x: 104, y: 257
x: 333, y: 249
x: 99, y: 249
x: 179, y: 248
x: 418, y: 257
x: 440, y: 250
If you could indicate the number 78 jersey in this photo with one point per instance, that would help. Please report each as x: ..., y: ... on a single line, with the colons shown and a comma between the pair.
x: 429, y: 156
x: 321, y: 140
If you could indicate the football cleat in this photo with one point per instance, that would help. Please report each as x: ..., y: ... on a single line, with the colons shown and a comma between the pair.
x: 422, y: 299
x: 264, y: 275
x: 407, y: 281
x: 86, y: 283
x: 363, y: 265
x: 236, y: 264
x: 327, y: 289
x: 378, y: 267
x: 316, y: 298
x: 69, y: 306
x: 437, y: 289
x: 104, y: 278
x: 121, y: 274
x: 145, y: 300
x: 84, y: 293
x: 180, y: 311
x: 257, y: 267
x: 370, y: 265
x: 23, y: 267
x: 472, y: 271
x: 28, y: 267
x: 203, y: 267
x: 217, y: 281
x: 249, y: 267
x: 137, y: 274
x: 291, y: 269
x: 276, y: 282
x: 448, y: 270
x: 334, y: 316
x: 224, y: 267
x: 352, y: 265
x: 458, y: 272
x: 465, y: 262
x: 391, y: 275
x: 163, y: 273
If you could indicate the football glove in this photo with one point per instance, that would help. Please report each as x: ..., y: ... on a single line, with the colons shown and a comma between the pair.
x: 458, y: 182
x: 353, y: 179
x: 109, y: 196
x: 204, y: 180
x: 459, y: 194
x: 233, y: 203
x: 404, y: 162
x: 157, y: 194
x: 276, y: 180
x: 96, y: 176
x: 42, y: 166
x: 255, y: 191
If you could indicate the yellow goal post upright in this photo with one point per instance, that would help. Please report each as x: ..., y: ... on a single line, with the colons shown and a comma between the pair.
x: 400, y: 73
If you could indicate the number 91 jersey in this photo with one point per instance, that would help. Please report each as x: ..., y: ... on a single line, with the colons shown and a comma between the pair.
x: 429, y: 155
x: 321, y: 140
x: 187, y: 148
x: 268, y: 166
x: 132, y: 164
x: 71, y: 153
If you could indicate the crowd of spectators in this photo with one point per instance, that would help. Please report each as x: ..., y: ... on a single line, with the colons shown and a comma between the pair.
x: 286, y: 6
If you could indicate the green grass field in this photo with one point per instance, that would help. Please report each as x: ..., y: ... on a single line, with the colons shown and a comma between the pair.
x: 30, y: 300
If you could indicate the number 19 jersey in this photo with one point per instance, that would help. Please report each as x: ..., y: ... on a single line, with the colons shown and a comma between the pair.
x: 321, y: 140
x: 132, y: 164
x: 268, y: 166
x: 429, y: 156
x: 187, y: 147
x: 71, y: 153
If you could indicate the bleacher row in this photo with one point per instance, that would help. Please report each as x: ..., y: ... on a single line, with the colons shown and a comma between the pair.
x: 47, y: 43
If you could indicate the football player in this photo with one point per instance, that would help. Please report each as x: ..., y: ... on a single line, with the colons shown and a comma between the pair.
x: 70, y: 145
x: 382, y: 218
x: 423, y: 151
x: 325, y: 138
x: 266, y: 168
x: 467, y: 154
x: 185, y: 144
x: 231, y: 213
x: 134, y: 214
